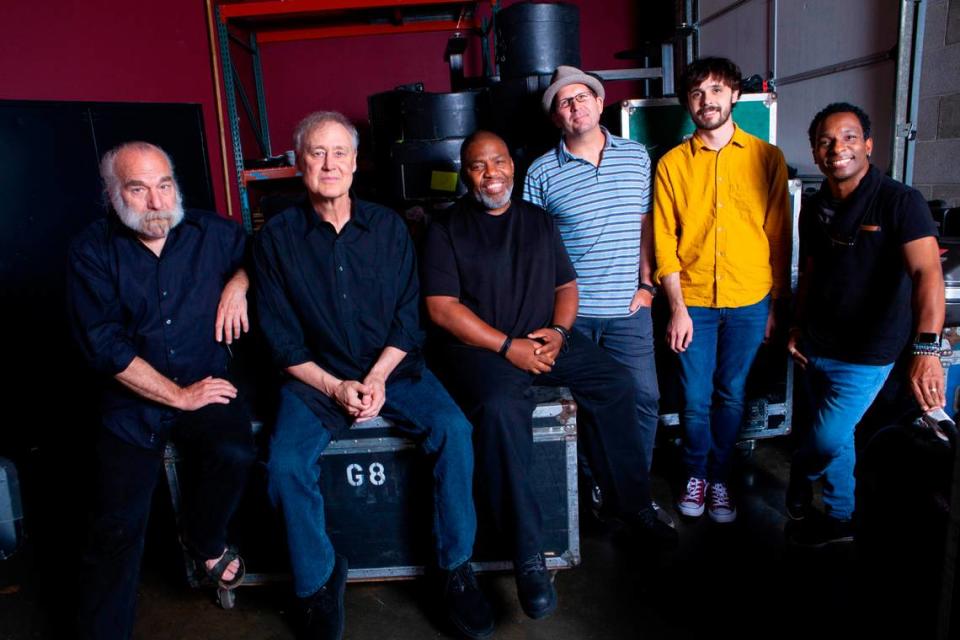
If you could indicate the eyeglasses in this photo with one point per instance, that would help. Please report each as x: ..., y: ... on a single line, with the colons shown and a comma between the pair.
x: 580, y: 98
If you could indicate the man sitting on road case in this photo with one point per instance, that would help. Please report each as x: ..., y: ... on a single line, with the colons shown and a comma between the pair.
x: 338, y: 298
x: 870, y: 277
x: 498, y: 280
x: 153, y: 294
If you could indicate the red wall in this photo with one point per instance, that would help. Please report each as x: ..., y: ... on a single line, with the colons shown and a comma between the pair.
x: 102, y: 50
x: 160, y: 52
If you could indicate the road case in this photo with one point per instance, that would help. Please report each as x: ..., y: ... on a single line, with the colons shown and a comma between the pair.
x: 377, y: 490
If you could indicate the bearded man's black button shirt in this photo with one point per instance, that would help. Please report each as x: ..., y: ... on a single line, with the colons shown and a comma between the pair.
x: 124, y: 302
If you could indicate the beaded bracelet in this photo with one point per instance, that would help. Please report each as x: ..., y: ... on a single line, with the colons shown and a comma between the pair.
x: 926, y: 349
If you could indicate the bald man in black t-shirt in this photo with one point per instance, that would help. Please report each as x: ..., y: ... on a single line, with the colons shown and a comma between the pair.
x: 498, y: 280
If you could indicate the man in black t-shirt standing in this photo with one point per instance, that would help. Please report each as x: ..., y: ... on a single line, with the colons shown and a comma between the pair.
x: 869, y: 256
x: 497, y: 279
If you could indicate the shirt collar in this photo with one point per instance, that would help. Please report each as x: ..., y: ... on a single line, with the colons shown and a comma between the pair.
x: 739, y: 139
x: 359, y: 215
x: 564, y: 155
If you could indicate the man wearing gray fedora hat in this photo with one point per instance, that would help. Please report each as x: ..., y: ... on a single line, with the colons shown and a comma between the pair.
x: 597, y: 187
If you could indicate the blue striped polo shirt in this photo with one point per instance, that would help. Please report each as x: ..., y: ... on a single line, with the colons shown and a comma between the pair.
x: 598, y: 212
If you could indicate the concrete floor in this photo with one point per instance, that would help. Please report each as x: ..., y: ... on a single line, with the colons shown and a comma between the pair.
x: 734, y: 581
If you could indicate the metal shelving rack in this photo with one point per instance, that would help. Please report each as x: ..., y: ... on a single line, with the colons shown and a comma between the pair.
x: 285, y: 20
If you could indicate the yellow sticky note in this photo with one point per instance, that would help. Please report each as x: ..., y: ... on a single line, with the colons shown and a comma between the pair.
x: 443, y: 181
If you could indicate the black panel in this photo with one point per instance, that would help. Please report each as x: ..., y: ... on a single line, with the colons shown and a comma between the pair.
x: 50, y: 190
x: 50, y: 187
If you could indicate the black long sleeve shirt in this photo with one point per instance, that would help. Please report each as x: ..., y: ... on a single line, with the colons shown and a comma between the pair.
x: 338, y: 300
x: 125, y: 302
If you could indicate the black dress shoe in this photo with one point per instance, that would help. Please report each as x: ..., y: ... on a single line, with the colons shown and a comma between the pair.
x: 538, y: 597
x: 651, y: 530
x: 799, y: 499
x: 323, y: 611
x: 466, y: 605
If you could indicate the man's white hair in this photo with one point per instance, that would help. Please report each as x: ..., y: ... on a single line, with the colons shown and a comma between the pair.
x: 316, y: 120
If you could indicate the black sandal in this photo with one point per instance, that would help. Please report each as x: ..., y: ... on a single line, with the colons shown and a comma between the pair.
x: 215, y: 573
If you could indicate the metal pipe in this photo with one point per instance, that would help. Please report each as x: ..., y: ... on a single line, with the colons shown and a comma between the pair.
x: 654, y: 73
x: 920, y: 21
x: 873, y: 58
x: 774, y: 23
x: 722, y: 12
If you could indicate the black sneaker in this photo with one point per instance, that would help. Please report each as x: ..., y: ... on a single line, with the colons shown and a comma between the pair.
x: 815, y: 533
x: 538, y: 597
x: 652, y: 529
x: 799, y: 499
x: 467, y: 608
x: 323, y: 611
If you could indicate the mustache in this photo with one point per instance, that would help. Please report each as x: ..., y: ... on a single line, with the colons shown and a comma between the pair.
x: 155, y: 216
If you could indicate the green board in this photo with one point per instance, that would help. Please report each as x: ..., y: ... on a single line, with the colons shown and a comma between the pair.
x: 662, y: 123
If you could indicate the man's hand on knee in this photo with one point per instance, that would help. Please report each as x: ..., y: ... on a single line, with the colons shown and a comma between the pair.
x: 210, y: 390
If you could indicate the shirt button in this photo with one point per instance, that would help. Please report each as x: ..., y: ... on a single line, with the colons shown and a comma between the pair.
x: 340, y: 268
x: 163, y: 293
x: 344, y: 296
x: 169, y: 321
x: 172, y: 351
x: 719, y: 228
x: 176, y: 379
x: 719, y: 205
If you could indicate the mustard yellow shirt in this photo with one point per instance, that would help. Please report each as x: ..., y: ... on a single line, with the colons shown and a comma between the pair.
x: 722, y: 220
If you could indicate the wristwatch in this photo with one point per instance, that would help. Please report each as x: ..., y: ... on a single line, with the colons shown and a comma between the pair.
x: 649, y: 288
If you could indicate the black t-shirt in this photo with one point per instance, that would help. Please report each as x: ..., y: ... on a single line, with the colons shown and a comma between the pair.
x: 503, y: 268
x: 858, y: 306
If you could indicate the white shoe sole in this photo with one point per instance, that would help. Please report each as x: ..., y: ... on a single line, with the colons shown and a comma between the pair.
x: 691, y: 512
x: 722, y: 518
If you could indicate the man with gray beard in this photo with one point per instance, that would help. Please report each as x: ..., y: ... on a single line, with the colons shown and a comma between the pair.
x: 498, y: 281
x: 155, y: 295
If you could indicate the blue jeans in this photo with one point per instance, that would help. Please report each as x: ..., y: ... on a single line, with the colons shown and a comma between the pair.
x: 840, y: 393
x: 629, y: 340
x: 421, y: 408
x: 713, y: 374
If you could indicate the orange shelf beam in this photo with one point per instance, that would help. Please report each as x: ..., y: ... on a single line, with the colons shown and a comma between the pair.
x: 346, y: 31
x: 276, y: 8
x: 269, y: 173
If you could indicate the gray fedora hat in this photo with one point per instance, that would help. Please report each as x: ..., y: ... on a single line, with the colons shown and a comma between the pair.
x: 566, y: 75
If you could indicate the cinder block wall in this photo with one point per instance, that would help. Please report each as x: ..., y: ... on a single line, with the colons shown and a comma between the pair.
x: 937, y: 169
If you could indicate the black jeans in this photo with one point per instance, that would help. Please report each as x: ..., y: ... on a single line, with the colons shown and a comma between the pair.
x: 217, y: 439
x: 496, y: 397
